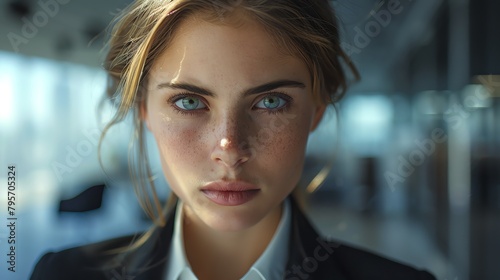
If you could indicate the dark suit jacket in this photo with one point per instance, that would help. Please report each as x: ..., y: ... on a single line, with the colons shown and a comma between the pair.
x: 311, y: 257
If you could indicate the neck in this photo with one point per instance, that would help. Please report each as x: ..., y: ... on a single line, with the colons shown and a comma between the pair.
x: 210, y: 251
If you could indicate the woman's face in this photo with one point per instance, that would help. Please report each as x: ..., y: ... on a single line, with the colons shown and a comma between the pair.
x: 229, y: 110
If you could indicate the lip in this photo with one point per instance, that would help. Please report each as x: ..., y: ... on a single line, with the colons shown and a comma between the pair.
x: 230, y: 193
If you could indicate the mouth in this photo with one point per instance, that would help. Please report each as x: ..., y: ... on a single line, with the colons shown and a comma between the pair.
x: 230, y: 193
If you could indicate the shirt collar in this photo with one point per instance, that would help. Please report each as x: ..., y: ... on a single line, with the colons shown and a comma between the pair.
x: 177, y: 263
x: 270, y: 265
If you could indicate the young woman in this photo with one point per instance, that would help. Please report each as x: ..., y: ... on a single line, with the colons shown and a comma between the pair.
x: 230, y: 90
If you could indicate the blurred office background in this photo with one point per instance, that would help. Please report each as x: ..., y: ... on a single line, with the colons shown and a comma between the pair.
x: 416, y: 148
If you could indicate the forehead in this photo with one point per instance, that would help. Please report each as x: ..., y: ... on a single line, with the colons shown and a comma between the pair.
x: 239, y: 50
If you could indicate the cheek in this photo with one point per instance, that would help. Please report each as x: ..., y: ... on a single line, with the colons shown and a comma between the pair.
x: 283, y: 145
x: 179, y: 146
x: 181, y: 152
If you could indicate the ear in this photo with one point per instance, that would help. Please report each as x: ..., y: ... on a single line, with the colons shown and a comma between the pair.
x: 318, y: 116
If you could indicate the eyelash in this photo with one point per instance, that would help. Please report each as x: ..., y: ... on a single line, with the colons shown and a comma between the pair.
x: 171, y: 101
x: 288, y: 99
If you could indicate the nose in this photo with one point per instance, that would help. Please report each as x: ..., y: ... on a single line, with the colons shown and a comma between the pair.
x: 231, y: 148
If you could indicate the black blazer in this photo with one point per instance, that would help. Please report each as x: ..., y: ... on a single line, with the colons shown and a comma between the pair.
x: 311, y: 257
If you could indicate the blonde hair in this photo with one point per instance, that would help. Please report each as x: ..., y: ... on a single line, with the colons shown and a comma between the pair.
x: 306, y: 28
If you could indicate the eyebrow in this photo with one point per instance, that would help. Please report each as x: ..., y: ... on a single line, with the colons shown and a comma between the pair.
x: 254, y: 90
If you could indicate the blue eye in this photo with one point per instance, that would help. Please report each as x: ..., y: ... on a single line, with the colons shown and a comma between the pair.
x: 271, y: 102
x: 189, y: 103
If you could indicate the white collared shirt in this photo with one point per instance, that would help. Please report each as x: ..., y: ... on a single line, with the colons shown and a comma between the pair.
x: 270, y: 265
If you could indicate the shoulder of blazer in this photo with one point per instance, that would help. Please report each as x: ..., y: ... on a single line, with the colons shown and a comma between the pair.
x: 313, y: 257
x: 84, y: 262
x: 98, y: 261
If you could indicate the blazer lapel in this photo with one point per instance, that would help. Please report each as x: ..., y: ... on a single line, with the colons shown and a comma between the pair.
x: 149, y: 260
x: 311, y: 257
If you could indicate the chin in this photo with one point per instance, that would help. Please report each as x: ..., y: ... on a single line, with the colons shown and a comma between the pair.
x: 229, y: 219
